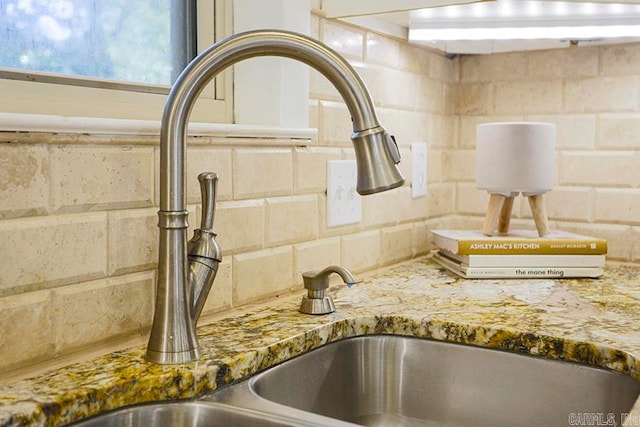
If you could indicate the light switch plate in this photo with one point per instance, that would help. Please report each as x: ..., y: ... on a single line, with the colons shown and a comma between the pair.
x: 344, y: 205
x: 419, y: 177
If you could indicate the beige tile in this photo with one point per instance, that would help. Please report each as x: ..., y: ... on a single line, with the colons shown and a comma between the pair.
x: 602, y: 94
x: 421, y: 238
x: 382, y: 50
x: 393, y: 207
x: 617, y: 205
x: 432, y: 95
x: 568, y: 203
x: 573, y: 131
x: 314, y: 255
x: 463, y: 165
x: 361, y: 251
x: 406, y: 126
x: 406, y: 164
x: 52, y: 250
x: 491, y: 68
x: 610, y: 168
x: 400, y: 89
x: 133, y: 240
x: 347, y: 40
x: 373, y: 78
x: 468, y: 125
x: 202, y: 159
x: 207, y: 159
x: 466, y: 222
x: 563, y: 63
x: 95, y: 178
x: 418, y: 207
x: 263, y: 172
x: 619, y: 131
x: 415, y: 59
x: 321, y: 88
x: 396, y: 243
x: 450, y: 100
x: 382, y: 208
x: 620, y: 238
x: 240, y: 225
x: 291, y: 219
x: 315, y: 27
x: 96, y: 311
x: 441, y: 199
x: 314, y: 118
x: 620, y: 59
x: 470, y: 200
x: 310, y: 168
x: 438, y: 166
x: 528, y: 97
x: 220, y: 296
x: 262, y: 274
x: 24, y: 180
x: 441, y: 131
x: 474, y: 99
x: 335, y: 125
x: 444, y: 69
x: 634, y: 246
x: 26, y: 330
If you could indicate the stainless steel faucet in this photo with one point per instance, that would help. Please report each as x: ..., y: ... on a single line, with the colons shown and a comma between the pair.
x: 173, y: 338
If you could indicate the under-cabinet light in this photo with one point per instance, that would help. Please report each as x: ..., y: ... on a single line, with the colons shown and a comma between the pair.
x: 525, y: 33
x: 525, y: 20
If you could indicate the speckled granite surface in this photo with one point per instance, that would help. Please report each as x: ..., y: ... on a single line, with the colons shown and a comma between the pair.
x: 594, y: 321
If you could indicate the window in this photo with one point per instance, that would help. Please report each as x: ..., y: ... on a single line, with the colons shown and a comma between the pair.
x: 105, y: 58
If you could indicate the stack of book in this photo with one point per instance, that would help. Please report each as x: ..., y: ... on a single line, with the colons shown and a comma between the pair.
x: 520, y: 254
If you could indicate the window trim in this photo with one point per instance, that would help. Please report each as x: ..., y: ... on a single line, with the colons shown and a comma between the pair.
x: 15, y: 126
x: 51, y: 94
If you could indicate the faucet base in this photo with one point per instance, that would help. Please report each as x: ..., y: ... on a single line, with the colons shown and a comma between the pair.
x: 174, y: 358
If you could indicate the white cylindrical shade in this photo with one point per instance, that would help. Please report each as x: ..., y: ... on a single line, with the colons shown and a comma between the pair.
x: 514, y: 157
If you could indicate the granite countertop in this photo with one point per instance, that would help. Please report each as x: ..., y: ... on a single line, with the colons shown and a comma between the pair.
x: 593, y: 321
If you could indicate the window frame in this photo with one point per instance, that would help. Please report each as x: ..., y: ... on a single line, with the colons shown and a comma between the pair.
x: 70, y: 96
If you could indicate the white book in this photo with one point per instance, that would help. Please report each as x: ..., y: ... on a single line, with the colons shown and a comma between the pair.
x: 542, y: 260
x: 516, y: 272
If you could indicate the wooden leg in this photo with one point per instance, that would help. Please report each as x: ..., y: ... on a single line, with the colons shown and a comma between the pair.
x: 539, y: 212
x: 505, y: 215
x: 496, y: 201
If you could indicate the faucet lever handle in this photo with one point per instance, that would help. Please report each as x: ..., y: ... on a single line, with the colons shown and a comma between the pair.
x: 203, y: 250
x: 208, y: 189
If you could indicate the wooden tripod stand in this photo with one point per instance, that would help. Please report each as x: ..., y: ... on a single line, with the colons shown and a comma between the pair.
x: 498, y: 215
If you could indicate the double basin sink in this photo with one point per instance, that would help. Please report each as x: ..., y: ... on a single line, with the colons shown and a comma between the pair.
x: 401, y: 381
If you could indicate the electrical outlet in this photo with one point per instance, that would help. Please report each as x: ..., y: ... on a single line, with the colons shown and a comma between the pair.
x: 419, y: 177
x: 343, y: 201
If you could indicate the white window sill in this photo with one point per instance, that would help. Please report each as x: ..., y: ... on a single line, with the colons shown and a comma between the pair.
x: 11, y: 122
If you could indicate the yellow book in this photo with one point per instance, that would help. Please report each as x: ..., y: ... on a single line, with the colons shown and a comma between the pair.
x: 468, y: 242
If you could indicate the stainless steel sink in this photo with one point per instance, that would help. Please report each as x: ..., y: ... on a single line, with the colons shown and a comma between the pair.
x: 185, y: 413
x: 391, y: 380
x: 399, y: 381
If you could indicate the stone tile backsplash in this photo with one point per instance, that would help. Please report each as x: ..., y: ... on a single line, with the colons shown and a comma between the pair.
x: 78, y: 212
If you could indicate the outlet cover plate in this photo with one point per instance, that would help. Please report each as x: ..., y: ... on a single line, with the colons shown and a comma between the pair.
x: 344, y: 205
x: 419, y: 174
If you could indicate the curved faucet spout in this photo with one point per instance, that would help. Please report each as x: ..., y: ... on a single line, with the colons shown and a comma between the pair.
x: 248, y: 45
x: 376, y: 154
